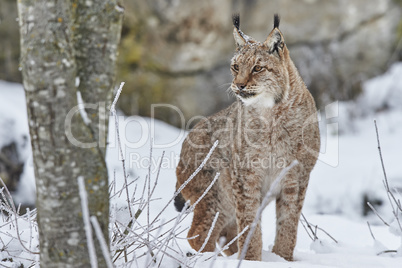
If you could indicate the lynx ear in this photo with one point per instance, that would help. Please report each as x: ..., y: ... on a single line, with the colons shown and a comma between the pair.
x: 240, y: 38
x: 275, y: 41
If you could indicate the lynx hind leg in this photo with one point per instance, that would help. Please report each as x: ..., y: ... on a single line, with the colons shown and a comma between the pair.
x: 229, y: 232
x: 204, y: 214
x: 288, y: 209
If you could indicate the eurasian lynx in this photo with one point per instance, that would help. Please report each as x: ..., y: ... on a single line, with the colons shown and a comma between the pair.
x: 272, y: 123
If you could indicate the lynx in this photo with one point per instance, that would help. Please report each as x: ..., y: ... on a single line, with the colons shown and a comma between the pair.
x: 272, y: 123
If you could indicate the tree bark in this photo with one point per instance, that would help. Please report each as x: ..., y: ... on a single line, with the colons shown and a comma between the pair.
x: 60, y: 42
x: 97, y: 34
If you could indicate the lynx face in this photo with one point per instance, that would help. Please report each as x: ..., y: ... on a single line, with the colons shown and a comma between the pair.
x: 259, y: 69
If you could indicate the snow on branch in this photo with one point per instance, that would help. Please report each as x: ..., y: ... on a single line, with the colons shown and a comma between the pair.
x: 116, y: 98
x: 205, y: 192
x: 87, y: 224
x: 209, y: 233
x: 191, y: 177
x: 102, y: 241
x: 81, y: 108
x: 113, y: 111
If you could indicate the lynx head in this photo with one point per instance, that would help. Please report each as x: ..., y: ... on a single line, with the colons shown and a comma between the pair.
x: 260, y: 73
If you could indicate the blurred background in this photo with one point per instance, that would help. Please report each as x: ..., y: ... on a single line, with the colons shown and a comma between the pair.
x: 178, y: 52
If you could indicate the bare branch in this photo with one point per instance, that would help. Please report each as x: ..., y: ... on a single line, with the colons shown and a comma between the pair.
x: 379, y: 151
x: 371, y: 232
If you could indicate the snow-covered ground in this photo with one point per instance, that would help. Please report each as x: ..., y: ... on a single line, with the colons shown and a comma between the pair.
x: 349, y: 169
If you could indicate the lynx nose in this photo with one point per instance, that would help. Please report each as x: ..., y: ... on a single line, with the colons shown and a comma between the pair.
x: 240, y: 86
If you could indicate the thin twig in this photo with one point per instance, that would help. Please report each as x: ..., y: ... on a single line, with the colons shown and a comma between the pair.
x: 102, y: 241
x: 314, y: 232
x: 395, y: 210
x: 149, y: 191
x: 325, y: 232
x: 205, y: 192
x: 387, y: 251
x: 158, y: 172
x: 190, y: 178
x: 379, y: 151
x: 165, y: 242
x: 113, y: 110
x: 371, y: 232
x: 87, y: 224
x: 305, y: 228
x: 30, y: 228
x: 309, y: 227
x: 228, y: 244
x: 209, y: 233
x: 376, y: 212
x: 112, y: 107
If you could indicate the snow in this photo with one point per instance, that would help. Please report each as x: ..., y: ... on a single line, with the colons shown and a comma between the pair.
x: 14, y: 128
x: 358, y: 171
x: 119, y: 8
x: 349, y: 169
x: 12, y: 103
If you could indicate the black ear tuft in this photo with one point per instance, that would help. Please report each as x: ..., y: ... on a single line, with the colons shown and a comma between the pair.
x: 236, y: 20
x: 276, y: 21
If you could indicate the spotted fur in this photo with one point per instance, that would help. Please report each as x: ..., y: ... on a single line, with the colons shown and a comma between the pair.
x: 272, y: 123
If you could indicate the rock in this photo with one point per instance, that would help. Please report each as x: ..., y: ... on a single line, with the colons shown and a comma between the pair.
x: 11, y: 166
x: 176, y: 52
x: 183, y: 48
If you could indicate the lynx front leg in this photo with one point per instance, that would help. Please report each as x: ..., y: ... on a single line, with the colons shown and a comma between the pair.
x: 288, y: 208
x: 248, y: 198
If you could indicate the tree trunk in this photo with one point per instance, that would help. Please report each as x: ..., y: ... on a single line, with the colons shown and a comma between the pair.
x: 59, y: 42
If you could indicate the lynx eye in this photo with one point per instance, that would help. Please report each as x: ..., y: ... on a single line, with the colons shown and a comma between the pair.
x: 236, y: 67
x: 257, y: 68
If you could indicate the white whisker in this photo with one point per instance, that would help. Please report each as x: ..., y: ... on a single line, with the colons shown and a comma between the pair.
x: 230, y: 92
x: 225, y: 84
